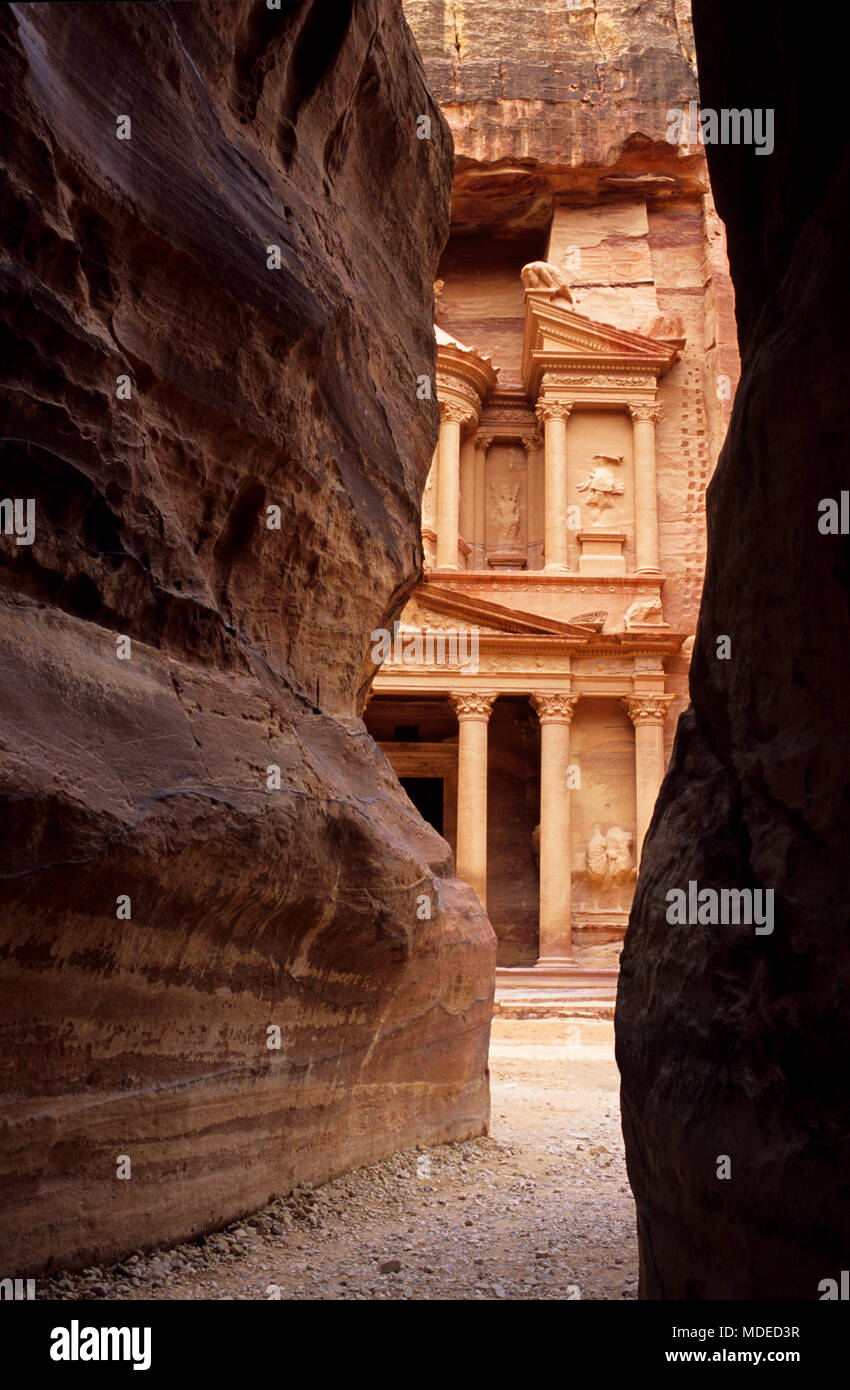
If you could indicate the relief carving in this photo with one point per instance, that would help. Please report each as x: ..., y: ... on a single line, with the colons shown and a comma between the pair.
x: 600, y: 484
x: 609, y: 859
x: 505, y: 512
x: 595, y: 620
x: 542, y: 275
x: 643, y: 610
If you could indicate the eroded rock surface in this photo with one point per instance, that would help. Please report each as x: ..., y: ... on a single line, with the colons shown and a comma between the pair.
x: 732, y: 1043
x: 553, y: 100
x: 151, y: 779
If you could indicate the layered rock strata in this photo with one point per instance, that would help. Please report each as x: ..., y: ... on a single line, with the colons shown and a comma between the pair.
x: 233, y: 956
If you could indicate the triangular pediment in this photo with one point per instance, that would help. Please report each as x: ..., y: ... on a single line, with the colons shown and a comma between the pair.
x: 448, y: 607
x: 557, y: 339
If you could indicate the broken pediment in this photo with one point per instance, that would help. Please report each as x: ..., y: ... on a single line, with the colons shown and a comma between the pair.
x: 572, y: 350
x: 435, y: 604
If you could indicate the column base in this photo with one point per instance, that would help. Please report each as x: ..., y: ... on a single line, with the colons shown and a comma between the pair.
x: 556, y: 568
x: 648, y: 569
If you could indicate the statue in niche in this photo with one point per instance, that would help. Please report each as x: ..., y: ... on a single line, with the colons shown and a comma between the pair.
x: 543, y: 275
x: 506, y: 514
x: 439, y: 306
x: 609, y: 859
x: 600, y: 484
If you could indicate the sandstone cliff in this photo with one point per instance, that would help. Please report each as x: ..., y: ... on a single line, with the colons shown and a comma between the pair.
x: 164, y: 904
x: 732, y: 1043
x: 557, y: 99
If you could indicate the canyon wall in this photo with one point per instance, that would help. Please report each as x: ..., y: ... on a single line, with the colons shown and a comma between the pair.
x: 222, y: 235
x: 732, y: 1043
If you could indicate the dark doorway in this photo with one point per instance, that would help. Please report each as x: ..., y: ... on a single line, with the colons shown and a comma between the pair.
x: 426, y: 793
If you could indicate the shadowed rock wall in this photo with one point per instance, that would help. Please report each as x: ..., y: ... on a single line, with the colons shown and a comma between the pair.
x: 732, y: 1043
x: 146, y: 772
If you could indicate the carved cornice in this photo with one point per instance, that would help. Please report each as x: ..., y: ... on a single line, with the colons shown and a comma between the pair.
x: 645, y: 412
x: 555, y: 708
x: 646, y: 709
x: 471, y: 704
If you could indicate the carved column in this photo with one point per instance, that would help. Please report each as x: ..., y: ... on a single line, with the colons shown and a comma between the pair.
x: 644, y: 418
x: 554, y: 415
x: 479, y: 502
x: 452, y: 416
x: 555, y: 712
x: 473, y: 712
x: 532, y: 445
x: 467, y: 493
x: 429, y: 512
x: 647, y: 713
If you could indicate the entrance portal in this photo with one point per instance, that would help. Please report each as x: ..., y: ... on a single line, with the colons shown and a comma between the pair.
x: 426, y: 793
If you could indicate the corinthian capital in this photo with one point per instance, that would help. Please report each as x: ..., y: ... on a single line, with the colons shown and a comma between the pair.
x: 645, y: 412
x: 472, y: 704
x: 554, y: 707
x: 457, y: 412
x: 646, y: 709
x: 552, y: 410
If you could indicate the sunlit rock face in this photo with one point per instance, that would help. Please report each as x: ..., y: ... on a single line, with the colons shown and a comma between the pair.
x: 201, y: 845
x: 732, y: 1043
x: 552, y: 100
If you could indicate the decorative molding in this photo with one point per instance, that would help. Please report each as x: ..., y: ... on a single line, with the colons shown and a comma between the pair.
x: 554, y: 708
x: 472, y: 704
x: 646, y: 709
x: 498, y: 412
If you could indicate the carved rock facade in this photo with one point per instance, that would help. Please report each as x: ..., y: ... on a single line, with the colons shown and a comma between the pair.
x: 585, y: 320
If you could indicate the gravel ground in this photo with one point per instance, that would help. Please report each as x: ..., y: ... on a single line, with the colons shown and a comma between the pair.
x: 539, y: 1209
